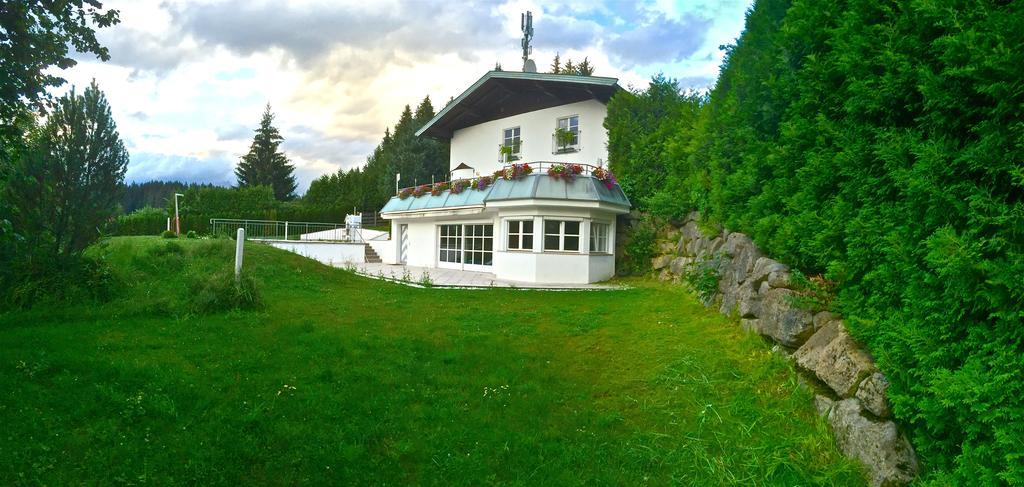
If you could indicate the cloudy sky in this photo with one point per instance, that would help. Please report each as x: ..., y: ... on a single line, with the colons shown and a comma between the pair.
x: 188, y: 80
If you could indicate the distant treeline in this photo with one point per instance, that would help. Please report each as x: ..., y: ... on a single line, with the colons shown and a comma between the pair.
x: 154, y: 194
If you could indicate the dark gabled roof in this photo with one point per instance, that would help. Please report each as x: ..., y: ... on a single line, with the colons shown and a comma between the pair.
x: 500, y: 94
x: 462, y: 165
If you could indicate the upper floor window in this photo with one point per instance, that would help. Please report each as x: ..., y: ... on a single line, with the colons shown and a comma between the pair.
x: 567, y: 134
x: 511, y: 144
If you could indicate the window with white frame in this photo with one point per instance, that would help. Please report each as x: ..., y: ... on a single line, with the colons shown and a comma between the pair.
x: 571, y: 126
x: 562, y: 235
x: 450, y: 248
x: 599, y: 237
x: 520, y: 235
x: 479, y: 240
x: 510, y: 138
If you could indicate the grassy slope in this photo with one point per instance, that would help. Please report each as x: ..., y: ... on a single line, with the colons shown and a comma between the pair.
x: 342, y: 378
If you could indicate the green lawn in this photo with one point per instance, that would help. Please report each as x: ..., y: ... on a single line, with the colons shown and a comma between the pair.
x: 346, y: 379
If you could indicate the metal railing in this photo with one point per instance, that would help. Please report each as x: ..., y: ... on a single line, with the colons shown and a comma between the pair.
x: 539, y: 167
x: 304, y: 231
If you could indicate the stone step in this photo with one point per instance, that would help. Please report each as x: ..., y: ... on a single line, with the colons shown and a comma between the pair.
x: 370, y: 256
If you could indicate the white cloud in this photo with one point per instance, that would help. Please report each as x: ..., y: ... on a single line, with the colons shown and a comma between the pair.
x: 188, y: 80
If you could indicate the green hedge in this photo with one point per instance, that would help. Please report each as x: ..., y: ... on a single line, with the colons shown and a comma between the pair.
x: 201, y: 204
x: 144, y: 221
x: 881, y: 143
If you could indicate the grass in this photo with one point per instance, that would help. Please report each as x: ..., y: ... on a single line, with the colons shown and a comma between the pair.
x: 338, y: 378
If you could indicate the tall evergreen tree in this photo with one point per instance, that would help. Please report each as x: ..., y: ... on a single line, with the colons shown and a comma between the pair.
x: 265, y: 164
x: 556, y: 65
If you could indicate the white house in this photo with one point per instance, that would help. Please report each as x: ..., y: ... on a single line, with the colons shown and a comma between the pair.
x: 529, y: 198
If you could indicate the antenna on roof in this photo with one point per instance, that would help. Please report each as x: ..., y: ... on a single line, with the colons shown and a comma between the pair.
x: 526, y: 24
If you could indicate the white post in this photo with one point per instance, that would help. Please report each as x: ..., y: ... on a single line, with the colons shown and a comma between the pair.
x: 286, y: 230
x: 177, y: 221
x: 239, y: 245
x: 168, y: 224
x: 398, y: 175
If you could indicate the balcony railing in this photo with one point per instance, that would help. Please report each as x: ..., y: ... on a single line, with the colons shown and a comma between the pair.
x: 539, y: 167
x: 557, y: 148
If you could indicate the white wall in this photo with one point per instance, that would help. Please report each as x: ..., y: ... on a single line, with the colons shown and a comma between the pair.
x: 330, y: 253
x: 477, y: 146
x: 385, y: 249
x: 527, y: 266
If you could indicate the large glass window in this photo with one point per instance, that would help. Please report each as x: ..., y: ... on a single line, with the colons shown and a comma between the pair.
x: 562, y: 235
x: 451, y: 243
x: 511, y: 139
x: 479, y: 244
x: 520, y: 235
x: 599, y: 237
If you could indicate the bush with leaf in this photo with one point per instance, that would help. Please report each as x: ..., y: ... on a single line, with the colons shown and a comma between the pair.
x: 878, y: 145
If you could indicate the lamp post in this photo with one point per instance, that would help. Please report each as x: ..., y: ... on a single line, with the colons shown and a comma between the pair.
x: 177, y: 222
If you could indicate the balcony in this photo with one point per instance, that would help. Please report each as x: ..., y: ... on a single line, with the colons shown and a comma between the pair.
x: 541, y: 180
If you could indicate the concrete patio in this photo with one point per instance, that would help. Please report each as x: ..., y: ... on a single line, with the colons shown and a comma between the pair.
x: 419, y: 276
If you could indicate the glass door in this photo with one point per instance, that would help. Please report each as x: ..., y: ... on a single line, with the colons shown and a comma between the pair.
x: 450, y: 247
x: 469, y: 247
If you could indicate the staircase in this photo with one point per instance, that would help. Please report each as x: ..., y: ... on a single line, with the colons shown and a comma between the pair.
x: 369, y: 255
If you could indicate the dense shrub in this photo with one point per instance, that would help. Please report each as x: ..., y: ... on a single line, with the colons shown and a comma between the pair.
x: 168, y: 234
x: 144, y: 221
x: 87, y: 278
x: 880, y: 144
x: 637, y: 247
x: 220, y: 291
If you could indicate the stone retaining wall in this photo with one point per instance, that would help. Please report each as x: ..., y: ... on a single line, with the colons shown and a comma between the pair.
x: 759, y: 290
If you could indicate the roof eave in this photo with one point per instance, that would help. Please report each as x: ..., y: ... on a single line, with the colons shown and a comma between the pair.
x: 594, y: 80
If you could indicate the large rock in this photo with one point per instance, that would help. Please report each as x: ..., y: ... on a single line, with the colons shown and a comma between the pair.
x: 727, y: 285
x: 743, y: 253
x: 748, y: 301
x: 887, y: 455
x: 698, y: 246
x: 871, y: 393
x: 689, y: 233
x: 764, y: 267
x: 661, y: 261
x: 823, y: 405
x: 715, y: 245
x: 833, y: 356
x: 680, y: 265
x: 780, y: 279
x: 781, y: 321
x: 823, y: 318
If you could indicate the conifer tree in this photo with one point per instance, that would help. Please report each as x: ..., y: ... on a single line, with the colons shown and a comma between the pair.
x: 68, y: 183
x: 556, y: 65
x: 584, y: 68
x: 265, y: 164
